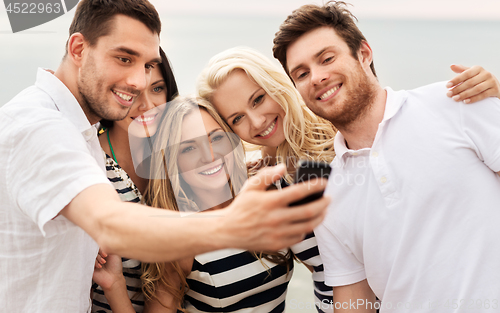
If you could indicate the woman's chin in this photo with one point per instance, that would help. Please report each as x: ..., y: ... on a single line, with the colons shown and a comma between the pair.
x: 141, y: 131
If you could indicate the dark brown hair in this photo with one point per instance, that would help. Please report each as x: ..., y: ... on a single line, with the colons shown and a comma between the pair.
x: 93, y: 17
x: 333, y: 14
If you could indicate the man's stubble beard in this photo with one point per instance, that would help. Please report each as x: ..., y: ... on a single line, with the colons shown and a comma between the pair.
x: 88, y: 87
x: 357, y: 104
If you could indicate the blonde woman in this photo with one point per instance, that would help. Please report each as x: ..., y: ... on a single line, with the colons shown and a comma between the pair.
x: 198, y: 165
x: 260, y: 104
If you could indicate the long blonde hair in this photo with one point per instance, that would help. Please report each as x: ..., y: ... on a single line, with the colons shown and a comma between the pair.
x: 166, y: 188
x: 306, y: 135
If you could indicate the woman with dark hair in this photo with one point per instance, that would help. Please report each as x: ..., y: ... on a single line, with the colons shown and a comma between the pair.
x: 131, y: 185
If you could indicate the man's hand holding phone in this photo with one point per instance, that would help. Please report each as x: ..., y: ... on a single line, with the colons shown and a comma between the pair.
x: 264, y: 220
x: 308, y: 170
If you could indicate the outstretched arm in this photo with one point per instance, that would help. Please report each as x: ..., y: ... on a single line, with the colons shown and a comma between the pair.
x: 472, y: 84
x: 256, y: 220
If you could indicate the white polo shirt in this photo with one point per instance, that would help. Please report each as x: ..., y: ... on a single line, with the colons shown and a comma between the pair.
x: 418, y: 214
x: 49, y: 153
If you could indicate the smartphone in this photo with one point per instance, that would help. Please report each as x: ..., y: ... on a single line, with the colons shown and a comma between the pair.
x: 306, y: 170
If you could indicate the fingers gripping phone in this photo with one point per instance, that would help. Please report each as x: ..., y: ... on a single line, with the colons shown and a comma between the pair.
x: 307, y: 170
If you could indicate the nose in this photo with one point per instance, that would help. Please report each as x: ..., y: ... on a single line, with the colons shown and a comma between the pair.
x: 207, y: 152
x: 318, y: 75
x: 138, y: 78
x: 145, y: 102
x: 257, y: 120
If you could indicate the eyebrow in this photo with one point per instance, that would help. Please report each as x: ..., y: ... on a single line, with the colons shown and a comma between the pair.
x: 320, y: 52
x: 213, y: 131
x: 209, y: 134
x: 158, y: 81
x: 132, y: 52
x: 249, y: 100
x: 127, y: 50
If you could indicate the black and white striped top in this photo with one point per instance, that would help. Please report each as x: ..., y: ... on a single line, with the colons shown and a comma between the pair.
x: 131, y: 268
x: 233, y: 280
x: 307, y: 252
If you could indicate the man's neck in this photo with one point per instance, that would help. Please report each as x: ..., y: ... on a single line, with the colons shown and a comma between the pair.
x: 361, y: 133
x: 67, y: 73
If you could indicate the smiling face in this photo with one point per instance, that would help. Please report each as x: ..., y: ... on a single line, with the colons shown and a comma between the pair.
x: 117, y: 69
x: 249, y: 110
x: 333, y: 84
x: 142, y: 119
x: 205, y: 159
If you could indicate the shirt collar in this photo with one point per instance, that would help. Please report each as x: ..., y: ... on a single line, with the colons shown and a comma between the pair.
x: 394, y: 102
x: 64, y: 100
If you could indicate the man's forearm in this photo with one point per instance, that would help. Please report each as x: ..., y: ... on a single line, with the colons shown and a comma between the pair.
x: 256, y: 220
x: 140, y: 232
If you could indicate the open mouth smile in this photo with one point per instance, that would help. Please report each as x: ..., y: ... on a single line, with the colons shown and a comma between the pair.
x: 327, y: 95
x: 144, y: 119
x: 213, y: 170
x: 124, y: 99
x: 269, y: 131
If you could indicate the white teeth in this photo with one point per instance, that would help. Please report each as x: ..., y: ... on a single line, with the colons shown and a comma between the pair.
x: 123, y: 96
x: 329, y: 92
x: 267, y: 131
x: 144, y: 120
x: 212, y: 171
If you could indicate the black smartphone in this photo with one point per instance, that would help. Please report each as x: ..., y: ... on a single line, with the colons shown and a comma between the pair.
x: 306, y: 170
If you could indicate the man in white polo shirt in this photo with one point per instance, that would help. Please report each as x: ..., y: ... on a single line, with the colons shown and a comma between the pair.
x: 56, y: 204
x: 415, y: 209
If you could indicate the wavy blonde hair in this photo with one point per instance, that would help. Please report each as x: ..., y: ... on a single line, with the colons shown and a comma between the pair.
x: 167, y: 190
x: 307, y: 136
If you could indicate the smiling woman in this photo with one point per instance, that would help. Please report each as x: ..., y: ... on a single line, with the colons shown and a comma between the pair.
x: 199, y: 164
x: 260, y: 104
x: 253, y: 114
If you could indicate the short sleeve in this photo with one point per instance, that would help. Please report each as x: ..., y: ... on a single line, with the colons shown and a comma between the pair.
x: 481, y: 124
x: 49, y: 163
x: 340, y: 264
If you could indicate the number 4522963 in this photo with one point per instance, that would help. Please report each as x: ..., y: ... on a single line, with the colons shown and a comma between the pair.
x: 34, y: 8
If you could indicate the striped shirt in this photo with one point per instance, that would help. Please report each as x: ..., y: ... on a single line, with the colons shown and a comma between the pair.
x: 233, y: 280
x: 131, y: 268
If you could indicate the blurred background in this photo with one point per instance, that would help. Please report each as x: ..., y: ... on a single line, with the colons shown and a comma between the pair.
x: 414, y: 43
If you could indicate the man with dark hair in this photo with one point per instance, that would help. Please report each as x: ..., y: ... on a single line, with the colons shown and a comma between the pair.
x: 415, y: 210
x: 56, y: 204
x: 309, y: 17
